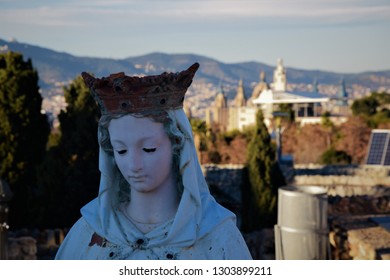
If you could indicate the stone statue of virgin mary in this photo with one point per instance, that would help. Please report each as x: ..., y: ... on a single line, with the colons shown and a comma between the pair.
x: 153, y: 200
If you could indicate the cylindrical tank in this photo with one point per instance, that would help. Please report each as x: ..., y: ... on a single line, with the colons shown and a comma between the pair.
x: 302, y: 229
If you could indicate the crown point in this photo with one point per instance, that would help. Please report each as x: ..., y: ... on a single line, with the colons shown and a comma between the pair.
x: 88, y: 79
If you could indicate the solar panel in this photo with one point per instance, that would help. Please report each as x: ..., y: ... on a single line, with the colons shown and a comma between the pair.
x: 379, y: 147
x: 387, y: 155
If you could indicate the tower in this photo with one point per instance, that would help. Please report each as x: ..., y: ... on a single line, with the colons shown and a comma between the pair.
x: 342, y: 94
x: 240, y: 100
x: 280, y: 81
x: 220, y: 99
x: 315, y: 86
x: 218, y: 113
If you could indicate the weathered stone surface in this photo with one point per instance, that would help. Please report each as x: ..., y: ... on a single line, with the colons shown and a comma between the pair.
x: 385, y: 256
x: 358, y: 238
x: 363, y: 178
x: 22, y: 248
x: 366, y: 243
x: 34, y: 244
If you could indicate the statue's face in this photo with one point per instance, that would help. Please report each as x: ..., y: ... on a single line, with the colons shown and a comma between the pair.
x: 143, y: 153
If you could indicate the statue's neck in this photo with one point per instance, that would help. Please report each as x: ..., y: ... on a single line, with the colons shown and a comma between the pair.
x: 152, y: 208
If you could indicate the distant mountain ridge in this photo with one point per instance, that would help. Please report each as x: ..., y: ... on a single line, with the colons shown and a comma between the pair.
x: 56, y: 66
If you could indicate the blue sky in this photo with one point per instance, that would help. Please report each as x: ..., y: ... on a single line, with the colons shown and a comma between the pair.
x: 345, y: 36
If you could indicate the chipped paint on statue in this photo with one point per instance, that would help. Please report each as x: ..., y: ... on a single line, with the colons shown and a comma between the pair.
x: 153, y: 200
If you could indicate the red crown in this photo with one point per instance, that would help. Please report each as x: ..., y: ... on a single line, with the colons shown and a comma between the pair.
x: 119, y: 93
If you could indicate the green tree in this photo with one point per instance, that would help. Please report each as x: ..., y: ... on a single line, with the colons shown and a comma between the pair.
x: 380, y: 118
x: 326, y: 121
x: 366, y: 106
x: 329, y: 128
x: 288, y: 109
x: 69, y: 177
x: 374, y: 109
x: 229, y: 136
x: 332, y: 156
x: 264, y: 178
x: 23, y: 133
x: 200, y: 129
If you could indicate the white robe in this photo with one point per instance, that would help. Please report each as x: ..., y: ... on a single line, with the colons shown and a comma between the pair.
x: 201, y: 228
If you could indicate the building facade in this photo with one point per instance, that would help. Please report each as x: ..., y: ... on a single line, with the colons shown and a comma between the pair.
x: 308, y: 107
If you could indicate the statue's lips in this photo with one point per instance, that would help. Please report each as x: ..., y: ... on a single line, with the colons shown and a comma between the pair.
x: 137, y: 178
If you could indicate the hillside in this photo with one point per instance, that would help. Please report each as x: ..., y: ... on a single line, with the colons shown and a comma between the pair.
x: 61, y: 67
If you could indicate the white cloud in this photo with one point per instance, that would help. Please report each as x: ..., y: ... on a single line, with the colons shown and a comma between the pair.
x: 43, y: 16
x: 76, y: 13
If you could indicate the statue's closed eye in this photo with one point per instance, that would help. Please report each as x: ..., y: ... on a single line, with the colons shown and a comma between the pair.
x: 149, y: 150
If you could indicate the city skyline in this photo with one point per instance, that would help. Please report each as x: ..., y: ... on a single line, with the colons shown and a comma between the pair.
x: 340, y: 36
